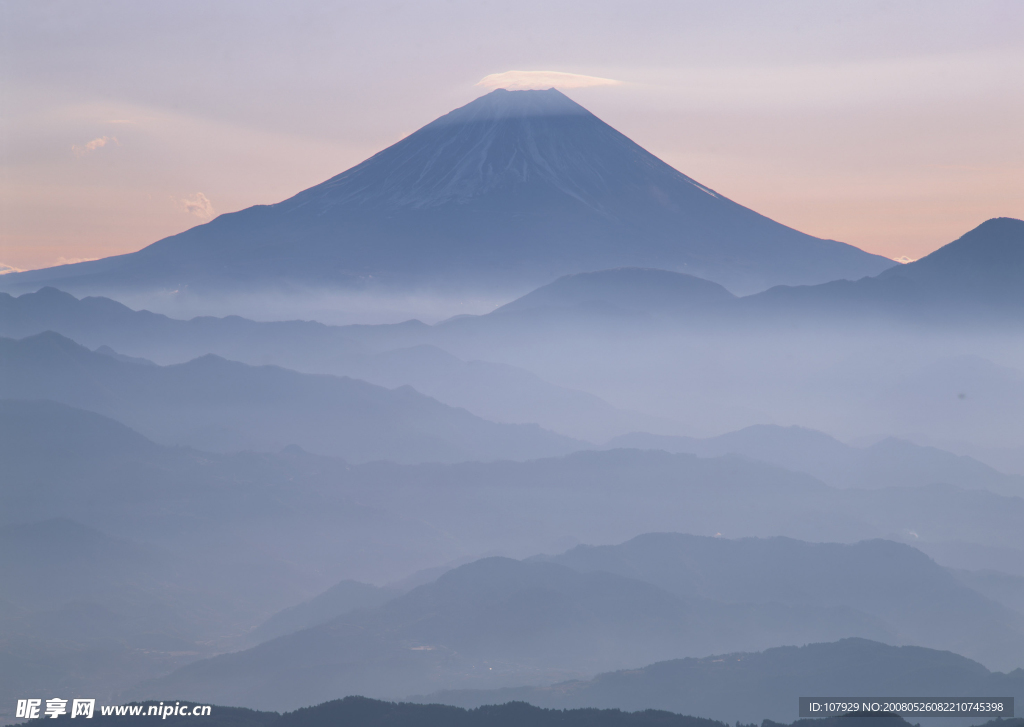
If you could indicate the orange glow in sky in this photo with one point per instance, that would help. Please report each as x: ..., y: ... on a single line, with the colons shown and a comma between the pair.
x: 892, y: 126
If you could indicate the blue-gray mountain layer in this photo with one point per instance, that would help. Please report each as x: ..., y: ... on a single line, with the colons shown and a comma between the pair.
x: 748, y: 686
x: 220, y: 405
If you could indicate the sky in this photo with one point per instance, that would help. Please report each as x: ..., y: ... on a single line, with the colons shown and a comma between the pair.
x: 894, y: 126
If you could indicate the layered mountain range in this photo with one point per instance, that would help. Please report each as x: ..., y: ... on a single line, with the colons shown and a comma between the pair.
x: 274, y: 514
x: 222, y: 405
x: 497, y: 620
x: 186, y: 551
x: 918, y: 351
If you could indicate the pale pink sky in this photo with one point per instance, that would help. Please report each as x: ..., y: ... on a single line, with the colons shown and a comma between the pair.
x: 894, y: 126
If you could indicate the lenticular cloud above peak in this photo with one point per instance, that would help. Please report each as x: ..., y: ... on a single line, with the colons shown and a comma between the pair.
x: 539, y: 80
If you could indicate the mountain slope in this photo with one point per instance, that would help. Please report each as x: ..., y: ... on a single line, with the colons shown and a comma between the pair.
x: 977, y: 279
x: 499, y: 392
x: 493, y: 622
x: 43, y: 436
x: 270, y: 530
x: 986, y: 264
x: 498, y: 620
x: 889, y: 463
x: 505, y: 193
x: 750, y: 687
x: 388, y: 355
x: 98, y: 321
x: 624, y: 291
x: 221, y: 405
x: 336, y: 601
x: 419, y: 516
x: 94, y: 614
x: 921, y: 601
x: 267, y: 531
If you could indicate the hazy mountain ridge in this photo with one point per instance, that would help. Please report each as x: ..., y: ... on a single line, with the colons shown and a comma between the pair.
x: 389, y: 356
x: 271, y: 530
x: 338, y: 600
x: 979, y: 273
x: 499, y: 620
x: 627, y: 290
x: 221, y: 405
x: 747, y: 687
x: 500, y: 392
x: 891, y: 373
x: 889, y: 463
x: 519, y: 507
x: 98, y: 321
x: 1006, y: 588
x: 974, y: 280
x: 495, y: 621
x: 667, y: 493
x: 279, y: 528
x: 917, y: 599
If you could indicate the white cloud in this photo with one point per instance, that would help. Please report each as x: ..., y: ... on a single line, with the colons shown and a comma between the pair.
x: 903, y: 259
x: 522, y: 80
x: 198, y: 205
x: 72, y: 260
x: 93, y: 145
x: 4, y: 269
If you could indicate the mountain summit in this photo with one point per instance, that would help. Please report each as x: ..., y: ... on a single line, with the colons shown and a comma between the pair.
x: 504, y: 194
x: 977, y: 280
x: 987, y: 262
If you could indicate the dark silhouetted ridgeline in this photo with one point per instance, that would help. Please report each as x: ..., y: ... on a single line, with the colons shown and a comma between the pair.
x: 218, y: 717
x: 373, y: 713
x: 363, y: 712
x: 881, y: 720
